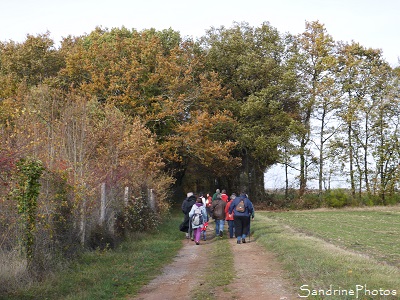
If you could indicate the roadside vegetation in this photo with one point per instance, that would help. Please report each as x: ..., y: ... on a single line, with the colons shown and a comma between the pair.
x: 110, y: 274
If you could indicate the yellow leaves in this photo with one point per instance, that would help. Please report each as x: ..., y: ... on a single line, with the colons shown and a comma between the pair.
x: 199, y: 142
x: 164, y: 86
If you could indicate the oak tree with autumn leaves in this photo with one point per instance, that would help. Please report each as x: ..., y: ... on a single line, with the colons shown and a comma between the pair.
x: 163, y: 81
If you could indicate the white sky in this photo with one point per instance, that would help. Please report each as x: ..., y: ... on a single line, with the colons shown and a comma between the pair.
x: 372, y: 23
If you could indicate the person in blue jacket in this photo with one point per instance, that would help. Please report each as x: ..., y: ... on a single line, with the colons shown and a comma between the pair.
x: 243, y: 209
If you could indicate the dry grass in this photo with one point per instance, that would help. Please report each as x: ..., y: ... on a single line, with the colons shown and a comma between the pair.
x: 12, y: 268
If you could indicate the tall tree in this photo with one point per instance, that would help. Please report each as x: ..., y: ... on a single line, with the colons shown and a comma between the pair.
x: 250, y: 63
x: 384, y: 130
x: 362, y: 74
x: 316, y: 60
x: 30, y: 63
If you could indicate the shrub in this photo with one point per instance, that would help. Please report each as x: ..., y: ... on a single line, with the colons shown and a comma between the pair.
x: 337, y: 198
x: 139, y: 216
x: 311, y: 200
x: 392, y: 199
x: 369, y: 200
x: 26, y: 193
x: 101, y: 239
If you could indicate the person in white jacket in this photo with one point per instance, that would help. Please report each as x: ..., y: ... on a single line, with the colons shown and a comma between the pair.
x: 197, y: 216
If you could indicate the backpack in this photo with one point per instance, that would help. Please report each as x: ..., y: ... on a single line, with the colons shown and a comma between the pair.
x: 197, y: 218
x: 218, y: 210
x: 241, y: 207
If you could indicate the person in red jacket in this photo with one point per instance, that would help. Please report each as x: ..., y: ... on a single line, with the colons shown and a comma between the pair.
x: 208, y: 206
x: 229, y: 217
x: 224, y: 196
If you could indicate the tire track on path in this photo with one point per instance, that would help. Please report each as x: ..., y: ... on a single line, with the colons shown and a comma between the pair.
x: 258, y: 274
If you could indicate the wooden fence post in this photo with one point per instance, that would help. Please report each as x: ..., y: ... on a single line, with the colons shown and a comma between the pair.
x: 83, y: 222
x: 126, y: 196
x: 152, y: 200
x: 103, y: 204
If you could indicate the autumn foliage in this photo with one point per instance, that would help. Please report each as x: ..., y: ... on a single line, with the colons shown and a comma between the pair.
x: 125, y: 122
x: 122, y: 109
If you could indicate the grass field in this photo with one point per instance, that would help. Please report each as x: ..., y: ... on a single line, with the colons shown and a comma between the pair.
x: 374, y: 233
x: 344, y: 250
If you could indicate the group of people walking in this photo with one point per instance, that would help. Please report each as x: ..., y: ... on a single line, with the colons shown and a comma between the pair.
x: 198, y: 210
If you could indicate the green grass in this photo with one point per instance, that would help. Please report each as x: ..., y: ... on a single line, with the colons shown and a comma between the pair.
x: 220, y: 269
x: 111, y: 274
x: 323, y: 249
x: 375, y: 233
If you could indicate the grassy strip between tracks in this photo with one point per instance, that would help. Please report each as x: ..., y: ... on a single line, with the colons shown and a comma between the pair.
x: 220, y: 270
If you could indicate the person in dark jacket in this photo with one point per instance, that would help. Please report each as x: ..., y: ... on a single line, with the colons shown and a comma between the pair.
x: 218, y: 212
x: 187, y: 205
x: 242, y: 218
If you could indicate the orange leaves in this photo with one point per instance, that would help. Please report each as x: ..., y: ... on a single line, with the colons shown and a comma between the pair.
x: 203, y: 140
x: 127, y: 103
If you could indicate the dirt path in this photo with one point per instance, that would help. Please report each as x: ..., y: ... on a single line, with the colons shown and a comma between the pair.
x: 177, y: 280
x: 258, y: 273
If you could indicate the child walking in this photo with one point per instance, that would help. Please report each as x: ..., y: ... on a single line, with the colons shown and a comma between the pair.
x: 204, y: 230
x: 198, y: 215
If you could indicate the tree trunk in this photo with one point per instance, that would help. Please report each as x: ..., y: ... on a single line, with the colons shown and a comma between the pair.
x: 257, y: 185
x: 366, y: 145
x: 321, y: 157
x: 286, y: 182
x: 303, y: 177
x: 351, y: 162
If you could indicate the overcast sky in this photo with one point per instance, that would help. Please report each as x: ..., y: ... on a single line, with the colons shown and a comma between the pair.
x: 372, y: 23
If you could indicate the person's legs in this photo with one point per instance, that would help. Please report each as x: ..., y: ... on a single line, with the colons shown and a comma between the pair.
x: 209, y: 214
x: 238, y: 229
x: 191, y: 234
x: 220, y: 231
x: 246, y: 224
x: 221, y: 226
x: 216, y: 227
x: 230, y: 225
x: 203, y: 234
x: 197, y: 233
